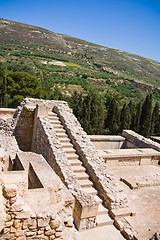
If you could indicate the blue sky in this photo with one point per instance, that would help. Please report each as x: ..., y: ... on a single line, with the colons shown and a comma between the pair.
x: 129, y: 25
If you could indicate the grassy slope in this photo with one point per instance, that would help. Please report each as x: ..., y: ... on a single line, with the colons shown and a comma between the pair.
x: 30, y: 45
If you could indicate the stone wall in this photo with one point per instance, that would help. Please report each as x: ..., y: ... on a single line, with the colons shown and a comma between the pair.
x: 6, y: 113
x: 21, y: 222
x: 24, y: 129
x: 105, y: 142
x: 103, y: 179
x: 138, y: 141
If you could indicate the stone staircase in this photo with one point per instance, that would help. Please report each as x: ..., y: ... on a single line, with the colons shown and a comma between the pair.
x: 85, y: 182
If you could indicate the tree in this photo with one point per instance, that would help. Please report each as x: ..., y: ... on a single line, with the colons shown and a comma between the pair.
x: 145, y: 120
x: 3, y: 85
x: 125, y: 118
x: 112, y: 120
x: 155, y: 124
x: 136, y: 122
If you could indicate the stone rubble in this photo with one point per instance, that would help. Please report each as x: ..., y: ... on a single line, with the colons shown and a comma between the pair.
x: 22, y: 222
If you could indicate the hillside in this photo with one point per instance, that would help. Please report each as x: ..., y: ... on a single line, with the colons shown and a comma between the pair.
x: 75, y: 62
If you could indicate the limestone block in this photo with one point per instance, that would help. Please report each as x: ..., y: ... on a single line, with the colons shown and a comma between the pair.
x: 17, y: 223
x: 58, y: 234
x: 17, y: 207
x: 32, y: 223
x: 30, y: 234
x: 55, y: 223
x: 22, y: 215
x: 13, y: 230
x: 52, y: 237
x: 69, y: 223
x: 3, y: 214
x: 18, y: 179
x: 9, y: 190
x: 25, y: 224
x: 9, y: 224
x: 19, y: 233
x: 49, y: 232
x: 84, y: 209
x: 41, y: 222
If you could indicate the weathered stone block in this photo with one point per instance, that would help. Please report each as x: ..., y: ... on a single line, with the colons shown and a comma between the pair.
x: 9, y: 190
x: 49, y: 232
x: 42, y: 222
x: 19, y: 233
x: 55, y: 223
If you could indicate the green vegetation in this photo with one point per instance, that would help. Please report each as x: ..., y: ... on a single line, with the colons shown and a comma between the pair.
x: 106, y: 87
x: 16, y: 85
x: 111, y: 113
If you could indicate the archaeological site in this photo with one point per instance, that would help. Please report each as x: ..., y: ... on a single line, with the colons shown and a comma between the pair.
x: 57, y: 182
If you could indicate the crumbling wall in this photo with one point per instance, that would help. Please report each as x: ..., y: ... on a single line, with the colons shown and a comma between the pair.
x: 21, y: 222
x: 104, y: 142
x: 138, y: 141
x: 24, y: 129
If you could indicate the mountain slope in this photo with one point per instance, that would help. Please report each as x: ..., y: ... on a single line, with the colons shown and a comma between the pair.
x: 39, y: 48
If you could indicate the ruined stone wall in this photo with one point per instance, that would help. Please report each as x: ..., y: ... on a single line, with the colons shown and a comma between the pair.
x: 6, y: 113
x: 24, y: 129
x: 104, y: 181
x: 21, y: 222
x: 105, y: 142
x: 138, y: 141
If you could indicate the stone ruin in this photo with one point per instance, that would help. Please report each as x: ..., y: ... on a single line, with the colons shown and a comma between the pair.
x: 55, y: 179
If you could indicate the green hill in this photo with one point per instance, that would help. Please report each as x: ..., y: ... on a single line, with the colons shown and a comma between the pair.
x: 74, y: 63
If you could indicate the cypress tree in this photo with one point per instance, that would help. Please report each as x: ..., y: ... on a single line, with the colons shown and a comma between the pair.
x: 113, y: 117
x: 136, y: 121
x: 155, y: 120
x: 132, y: 108
x: 125, y: 118
x: 145, y: 120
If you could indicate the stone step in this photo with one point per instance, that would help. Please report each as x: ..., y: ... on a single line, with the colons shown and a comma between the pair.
x: 61, y: 135
x: 102, y: 210
x: 90, y: 190
x: 72, y: 156
x: 122, y: 212
x: 54, y: 122
x: 82, y: 175
x: 78, y: 169
x: 85, y: 183
x: 98, y: 199
x: 69, y: 151
x: 60, y: 130
x: 103, y: 220
x: 53, y: 117
x: 75, y: 162
x: 67, y: 145
x: 57, y: 126
x: 52, y: 114
x: 64, y: 139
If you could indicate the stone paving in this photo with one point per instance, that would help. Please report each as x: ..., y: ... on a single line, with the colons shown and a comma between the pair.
x: 144, y: 201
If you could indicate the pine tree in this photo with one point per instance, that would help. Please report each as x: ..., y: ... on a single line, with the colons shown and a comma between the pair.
x: 145, y: 120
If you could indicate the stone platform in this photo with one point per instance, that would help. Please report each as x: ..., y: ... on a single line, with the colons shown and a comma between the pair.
x: 119, y: 157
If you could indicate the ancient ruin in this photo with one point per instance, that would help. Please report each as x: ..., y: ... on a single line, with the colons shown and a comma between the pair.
x: 57, y: 182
